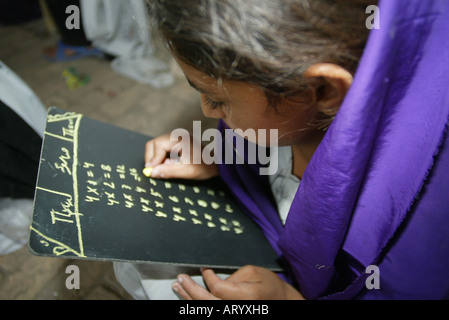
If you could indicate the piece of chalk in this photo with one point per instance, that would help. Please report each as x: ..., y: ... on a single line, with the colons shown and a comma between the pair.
x: 147, y: 171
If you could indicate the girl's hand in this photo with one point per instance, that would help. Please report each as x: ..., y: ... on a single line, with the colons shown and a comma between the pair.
x: 247, y: 283
x: 157, y: 152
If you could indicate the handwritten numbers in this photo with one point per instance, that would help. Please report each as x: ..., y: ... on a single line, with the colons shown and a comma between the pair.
x: 187, y: 200
x: 159, y: 204
x: 91, y: 199
x: 155, y: 193
x: 135, y: 174
x: 92, y: 190
x: 176, y: 209
x: 225, y: 228
x: 111, y: 198
x: 106, y: 167
x: 215, y: 205
x: 88, y: 165
x: 140, y: 190
x: 210, y: 224
x: 178, y: 218
x: 202, y: 203
x: 121, y: 171
x: 109, y: 184
x: 118, y: 185
x: 161, y: 214
x: 129, y: 201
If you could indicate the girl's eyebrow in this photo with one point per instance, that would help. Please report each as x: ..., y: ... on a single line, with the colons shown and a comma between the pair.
x: 194, y: 86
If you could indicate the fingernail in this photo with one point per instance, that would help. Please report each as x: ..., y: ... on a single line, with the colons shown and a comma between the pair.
x: 147, y: 164
x: 180, y: 279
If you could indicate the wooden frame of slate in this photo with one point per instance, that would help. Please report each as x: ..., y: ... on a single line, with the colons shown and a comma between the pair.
x: 92, y: 201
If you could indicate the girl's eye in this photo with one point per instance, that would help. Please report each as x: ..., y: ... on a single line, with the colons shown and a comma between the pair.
x: 213, y: 104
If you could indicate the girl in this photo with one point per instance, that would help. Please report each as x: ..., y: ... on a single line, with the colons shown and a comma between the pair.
x: 341, y: 207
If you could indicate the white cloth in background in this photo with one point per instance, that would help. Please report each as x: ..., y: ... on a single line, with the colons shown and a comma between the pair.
x: 15, y: 221
x: 16, y: 94
x: 284, y: 183
x: 120, y: 28
x: 147, y: 281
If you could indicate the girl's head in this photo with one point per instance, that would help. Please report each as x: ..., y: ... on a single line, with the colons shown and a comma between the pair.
x: 271, y: 46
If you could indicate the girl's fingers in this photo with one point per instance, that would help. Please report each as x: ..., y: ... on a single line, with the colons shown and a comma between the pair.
x: 158, y: 163
x: 190, y: 290
x: 157, y: 150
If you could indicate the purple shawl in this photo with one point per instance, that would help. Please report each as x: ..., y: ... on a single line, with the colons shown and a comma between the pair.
x: 376, y: 192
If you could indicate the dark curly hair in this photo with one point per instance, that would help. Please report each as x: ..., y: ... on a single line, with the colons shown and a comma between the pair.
x: 270, y: 43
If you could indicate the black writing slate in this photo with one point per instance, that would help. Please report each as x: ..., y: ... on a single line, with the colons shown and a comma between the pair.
x: 92, y: 201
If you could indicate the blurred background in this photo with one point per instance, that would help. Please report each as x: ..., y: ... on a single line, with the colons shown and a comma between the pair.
x: 97, y: 58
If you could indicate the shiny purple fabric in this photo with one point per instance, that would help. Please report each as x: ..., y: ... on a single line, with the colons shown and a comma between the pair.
x: 376, y: 192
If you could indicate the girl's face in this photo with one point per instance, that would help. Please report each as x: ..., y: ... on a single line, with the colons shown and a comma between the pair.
x: 244, y: 106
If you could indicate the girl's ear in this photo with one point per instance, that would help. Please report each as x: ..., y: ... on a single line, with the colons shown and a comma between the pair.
x: 337, y: 82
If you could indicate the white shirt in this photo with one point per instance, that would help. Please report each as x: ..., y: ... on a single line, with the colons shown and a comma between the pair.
x: 283, y: 183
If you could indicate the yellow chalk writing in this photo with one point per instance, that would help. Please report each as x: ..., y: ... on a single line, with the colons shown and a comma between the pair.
x: 109, y: 184
x: 155, y: 193
x: 63, y: 166
x: 215, y: 205
x: 161, y: 214
x: 140, y: 190
x: 202, y: 203
x: 92, y: 190
x: 106, y: 167
x: 178, y: 218
x: 187, y: 200
x: 159, y: 204
x: 88, y: 165
x: 176, y: 209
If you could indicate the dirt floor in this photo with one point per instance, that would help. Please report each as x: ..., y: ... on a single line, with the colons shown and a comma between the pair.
x: 108, y: 97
